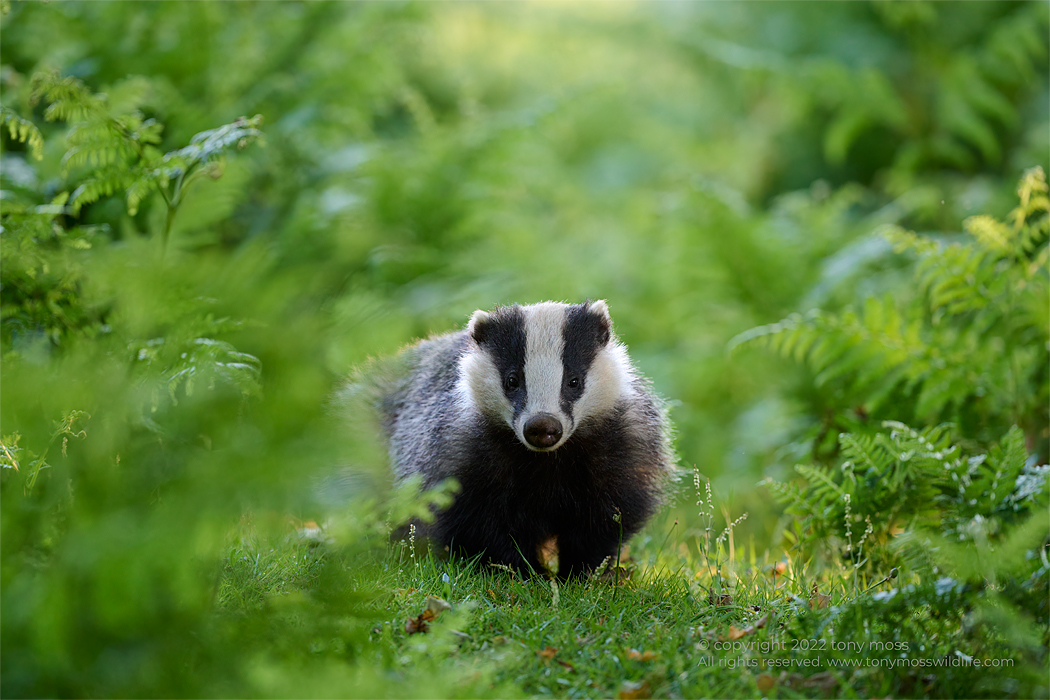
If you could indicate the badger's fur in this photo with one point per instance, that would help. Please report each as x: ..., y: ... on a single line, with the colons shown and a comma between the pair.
x: 539, y: 415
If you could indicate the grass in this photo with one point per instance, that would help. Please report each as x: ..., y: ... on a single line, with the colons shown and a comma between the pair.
x: 691, y: 621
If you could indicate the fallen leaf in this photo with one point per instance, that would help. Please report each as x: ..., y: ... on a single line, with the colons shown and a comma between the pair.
x: 416, y: 625
x: 436, y: 605
x: 636, y: 655
x: 547, y: 654
x: 635, y: 691
x: 765, y: 682
x: 819, y: 600
x: 722, y: 601
x: 736, y: 633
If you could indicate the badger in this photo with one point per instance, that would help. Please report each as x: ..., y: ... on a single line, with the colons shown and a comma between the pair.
x: 551, y: 433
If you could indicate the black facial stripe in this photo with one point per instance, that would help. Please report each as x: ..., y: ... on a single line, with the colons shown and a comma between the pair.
x: 504, y: 341
x: 584, y: 334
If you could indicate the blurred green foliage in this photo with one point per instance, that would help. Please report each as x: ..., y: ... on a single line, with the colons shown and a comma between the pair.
x: 175, y: 318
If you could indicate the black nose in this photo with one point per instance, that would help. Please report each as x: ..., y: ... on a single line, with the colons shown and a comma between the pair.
x: 542, y: 431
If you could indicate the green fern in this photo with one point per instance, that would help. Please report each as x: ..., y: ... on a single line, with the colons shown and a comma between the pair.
x: 957, y: 115
x: 971, y: 346
x: 112, y: 152
x: 22, y: 131
x: 903, y: 480
x: 41, y: 275
x: 118, y: 146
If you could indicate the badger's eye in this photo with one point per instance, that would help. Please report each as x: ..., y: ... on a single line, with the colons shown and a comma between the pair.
x: 574, y: 382
x: 511, y: 381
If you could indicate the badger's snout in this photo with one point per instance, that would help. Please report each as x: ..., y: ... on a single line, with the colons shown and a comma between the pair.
x: 542, y: 431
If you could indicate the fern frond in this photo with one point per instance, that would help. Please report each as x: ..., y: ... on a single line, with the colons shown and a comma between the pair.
x: 821, y: 483
x: 69, y: 99
x: 1031, y: 219
x: 213, y: 143
x: 863, y: 454
x: 903, y: 240
x: 103, y: 182
x: 137, y: 191
x: 992, y: 234
x: 95, y: 144
x: 783, y: 492
x: 1032, y: 190
x: 23, y: 131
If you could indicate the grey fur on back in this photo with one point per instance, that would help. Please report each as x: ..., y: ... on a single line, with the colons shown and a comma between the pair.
x: 421, y: 413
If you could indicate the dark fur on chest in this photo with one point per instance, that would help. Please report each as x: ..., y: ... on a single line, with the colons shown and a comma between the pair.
x: 592, y: 493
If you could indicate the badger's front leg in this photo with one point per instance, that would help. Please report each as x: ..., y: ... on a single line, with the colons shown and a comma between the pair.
x: 580, y: 553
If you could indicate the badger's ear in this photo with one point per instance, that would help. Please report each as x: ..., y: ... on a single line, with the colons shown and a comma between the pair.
x: 600, y: 310
x: 478, y: 326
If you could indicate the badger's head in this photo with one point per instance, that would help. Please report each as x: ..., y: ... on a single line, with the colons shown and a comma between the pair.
x: 544, y: 369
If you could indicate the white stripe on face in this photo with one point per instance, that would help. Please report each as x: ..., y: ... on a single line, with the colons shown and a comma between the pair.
x: 607, y: 383
x: 480, y: 382
x: 544, y: 343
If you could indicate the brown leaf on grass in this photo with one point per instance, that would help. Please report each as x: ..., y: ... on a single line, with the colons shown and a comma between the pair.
x: 630, y: 690
x: 818, y: 600
x: 436, y: 606
x: 418, y: 624
x: 547, y: 654
x: 765, y: 682
x: 636, y: 655
x: 721, y: 601
x: 736, y: 633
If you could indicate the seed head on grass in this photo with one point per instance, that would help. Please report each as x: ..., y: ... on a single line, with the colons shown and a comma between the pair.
x: 867, y: 532
x: 849, y: 527
x: 412, y: 543
x: 729, y: 529
x: 706, y: 505
x: 600, y: 569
